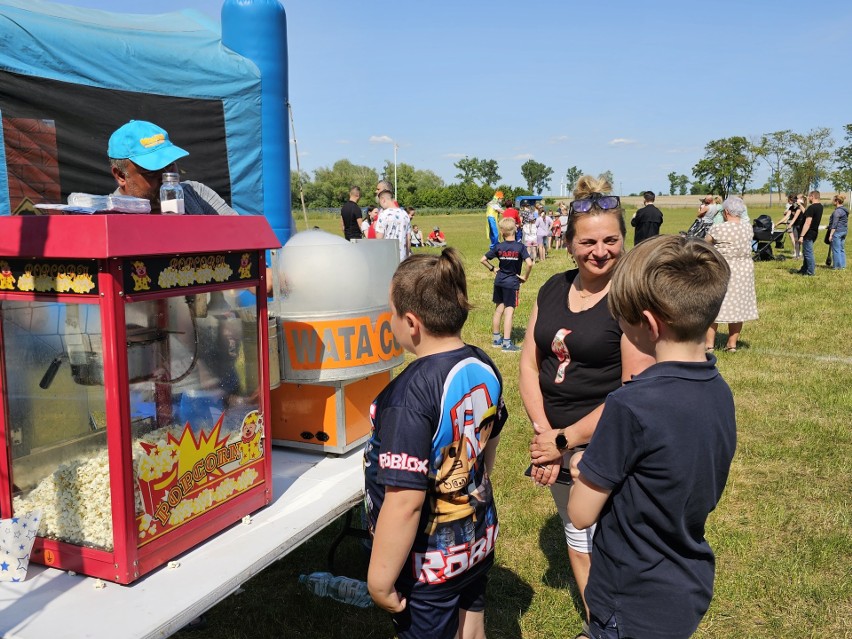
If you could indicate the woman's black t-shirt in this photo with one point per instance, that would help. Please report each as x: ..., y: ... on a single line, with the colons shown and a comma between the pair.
x: 580, y: 353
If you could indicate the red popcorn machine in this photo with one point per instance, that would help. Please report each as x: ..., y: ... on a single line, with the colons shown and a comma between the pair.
x: 134, y: 359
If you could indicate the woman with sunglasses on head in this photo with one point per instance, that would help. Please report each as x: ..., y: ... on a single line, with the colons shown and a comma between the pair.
x: 577, y: 354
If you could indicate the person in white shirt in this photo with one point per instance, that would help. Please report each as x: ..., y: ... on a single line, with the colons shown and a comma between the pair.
x: 393, y: 222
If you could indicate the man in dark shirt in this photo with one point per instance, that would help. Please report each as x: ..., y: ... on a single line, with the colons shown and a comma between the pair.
x: 647, y: 220
x: 810, y: 228
x: 350, y: 215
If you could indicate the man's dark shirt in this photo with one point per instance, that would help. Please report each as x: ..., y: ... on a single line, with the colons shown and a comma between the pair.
x: 647, y: 222
x: 351, y: 214
x: 814, y: 211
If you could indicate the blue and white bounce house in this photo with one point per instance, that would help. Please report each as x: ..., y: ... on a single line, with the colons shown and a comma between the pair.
x: 221, y: 93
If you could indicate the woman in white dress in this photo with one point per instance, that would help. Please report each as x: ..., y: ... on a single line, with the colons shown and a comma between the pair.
x: 733, y: 240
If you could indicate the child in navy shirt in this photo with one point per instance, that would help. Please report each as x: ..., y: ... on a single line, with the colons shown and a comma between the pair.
x: 658, y: 461
x: 427, y: 464
x: 507, y: 284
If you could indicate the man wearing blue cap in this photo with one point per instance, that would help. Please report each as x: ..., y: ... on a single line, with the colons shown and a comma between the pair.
x: 140, y: 152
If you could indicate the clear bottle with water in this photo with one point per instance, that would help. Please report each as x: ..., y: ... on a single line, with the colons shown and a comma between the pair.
x: 171, y: 195
x: 344, y: 589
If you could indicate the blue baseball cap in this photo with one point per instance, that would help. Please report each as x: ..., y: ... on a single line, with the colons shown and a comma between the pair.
x: 144, y: 144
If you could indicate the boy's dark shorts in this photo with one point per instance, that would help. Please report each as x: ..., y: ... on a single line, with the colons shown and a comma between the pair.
x: 439, y: 618
x: 506, y: 296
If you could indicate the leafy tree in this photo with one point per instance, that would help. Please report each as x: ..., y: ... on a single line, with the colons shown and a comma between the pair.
x: 752, y: 153
x: 297, y: 179
x: 473, y: 169
x: 677, y: 183
x: 774, y: 149
x: 536, y: 175
x: 841, y: 178
x: 571, y: 176
x: 609, y: 177
x: 468, y: 169
x: 488, y: 172
x: 672, y: 177
x: 331, y: 185
x: 727, y: 164
x: 699, y: 188
x: 410, y: 181
x: 809, y: 158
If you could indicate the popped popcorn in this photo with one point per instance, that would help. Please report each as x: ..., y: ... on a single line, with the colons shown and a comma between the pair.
x: 75, y: 498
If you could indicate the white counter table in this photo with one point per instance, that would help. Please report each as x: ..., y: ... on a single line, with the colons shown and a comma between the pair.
x: 310, y: 491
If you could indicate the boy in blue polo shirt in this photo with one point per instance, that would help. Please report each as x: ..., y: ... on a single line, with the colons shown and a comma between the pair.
x: 507, y: 283
x: 658, y: 461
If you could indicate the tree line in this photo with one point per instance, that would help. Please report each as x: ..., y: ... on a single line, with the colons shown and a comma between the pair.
x: 478, y: 179
x: 797, y: 162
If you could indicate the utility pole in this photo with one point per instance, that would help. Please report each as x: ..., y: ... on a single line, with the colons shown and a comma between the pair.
x: 395, y: 192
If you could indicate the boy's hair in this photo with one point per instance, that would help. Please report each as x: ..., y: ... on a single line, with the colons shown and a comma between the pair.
x: 681, y: 280
x: 434, y: 289
x: 507, y: 226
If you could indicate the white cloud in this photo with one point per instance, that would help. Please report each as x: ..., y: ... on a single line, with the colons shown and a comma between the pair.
x: 381, y: 139
x: 621, y: 142
x: 523, y: 156
x: 556, y: 139
x: 455, y: 155
x: 344, y: 142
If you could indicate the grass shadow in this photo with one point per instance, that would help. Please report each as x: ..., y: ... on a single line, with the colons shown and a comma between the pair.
x: 551, y: 540
x: 508, y: 599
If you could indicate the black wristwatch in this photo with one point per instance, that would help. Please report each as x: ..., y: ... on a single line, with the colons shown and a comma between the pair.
x: 561, y: 441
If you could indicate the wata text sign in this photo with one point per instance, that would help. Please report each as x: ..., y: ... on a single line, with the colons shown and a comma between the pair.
x: 340, y: 343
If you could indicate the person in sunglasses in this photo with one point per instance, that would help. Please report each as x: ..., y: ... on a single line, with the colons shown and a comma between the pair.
x: 577, y: 354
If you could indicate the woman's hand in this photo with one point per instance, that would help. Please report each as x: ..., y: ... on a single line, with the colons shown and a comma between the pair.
x: 546, y: 474
x: 543, y: 448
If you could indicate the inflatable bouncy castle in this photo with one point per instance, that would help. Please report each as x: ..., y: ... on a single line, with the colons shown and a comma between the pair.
x: 71, y: 76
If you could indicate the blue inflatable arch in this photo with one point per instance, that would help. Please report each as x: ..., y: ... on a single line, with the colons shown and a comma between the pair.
x: 71, y: 76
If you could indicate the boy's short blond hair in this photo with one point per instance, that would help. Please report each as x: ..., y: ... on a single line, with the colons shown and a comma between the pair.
x: 507, y: 227
x: 681, y: 280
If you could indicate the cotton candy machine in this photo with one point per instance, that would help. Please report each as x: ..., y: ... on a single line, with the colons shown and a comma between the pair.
x: 337, y: 348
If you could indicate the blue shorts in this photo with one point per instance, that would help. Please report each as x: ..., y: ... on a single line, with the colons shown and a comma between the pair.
x: 439, y: 618
x: 506, y: 296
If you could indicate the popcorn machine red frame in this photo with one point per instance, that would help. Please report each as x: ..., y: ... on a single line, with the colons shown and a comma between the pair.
x: 111, y: 266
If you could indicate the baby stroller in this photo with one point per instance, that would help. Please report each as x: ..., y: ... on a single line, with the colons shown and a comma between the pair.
x: 765, y: 235
x: 698, y: 229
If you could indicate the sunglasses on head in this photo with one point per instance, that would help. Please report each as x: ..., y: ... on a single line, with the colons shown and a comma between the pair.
x: 603, y: 202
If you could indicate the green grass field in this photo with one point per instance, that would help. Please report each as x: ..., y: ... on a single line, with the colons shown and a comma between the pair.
x: 782, y: 532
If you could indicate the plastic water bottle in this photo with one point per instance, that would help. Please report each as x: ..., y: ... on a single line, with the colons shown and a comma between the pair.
x: 171, y: 195
x: 349, y: 591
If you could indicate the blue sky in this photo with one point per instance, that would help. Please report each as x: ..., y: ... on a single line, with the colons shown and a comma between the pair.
x: 635, y: 88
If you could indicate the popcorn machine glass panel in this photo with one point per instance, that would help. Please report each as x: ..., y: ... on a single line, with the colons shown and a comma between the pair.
x: 59, y: 449
x: 196, y: 427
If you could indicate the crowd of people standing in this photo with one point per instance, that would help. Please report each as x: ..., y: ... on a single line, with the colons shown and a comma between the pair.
x: 617, y: 328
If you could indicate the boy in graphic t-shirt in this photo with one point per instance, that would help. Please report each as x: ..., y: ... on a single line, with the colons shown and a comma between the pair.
x: 658, y: 461
x: 507, y: 283
x: 427, y: 464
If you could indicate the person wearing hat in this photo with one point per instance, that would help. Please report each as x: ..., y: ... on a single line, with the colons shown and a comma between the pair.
x: 437, y: 238
x: 140, y: 152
